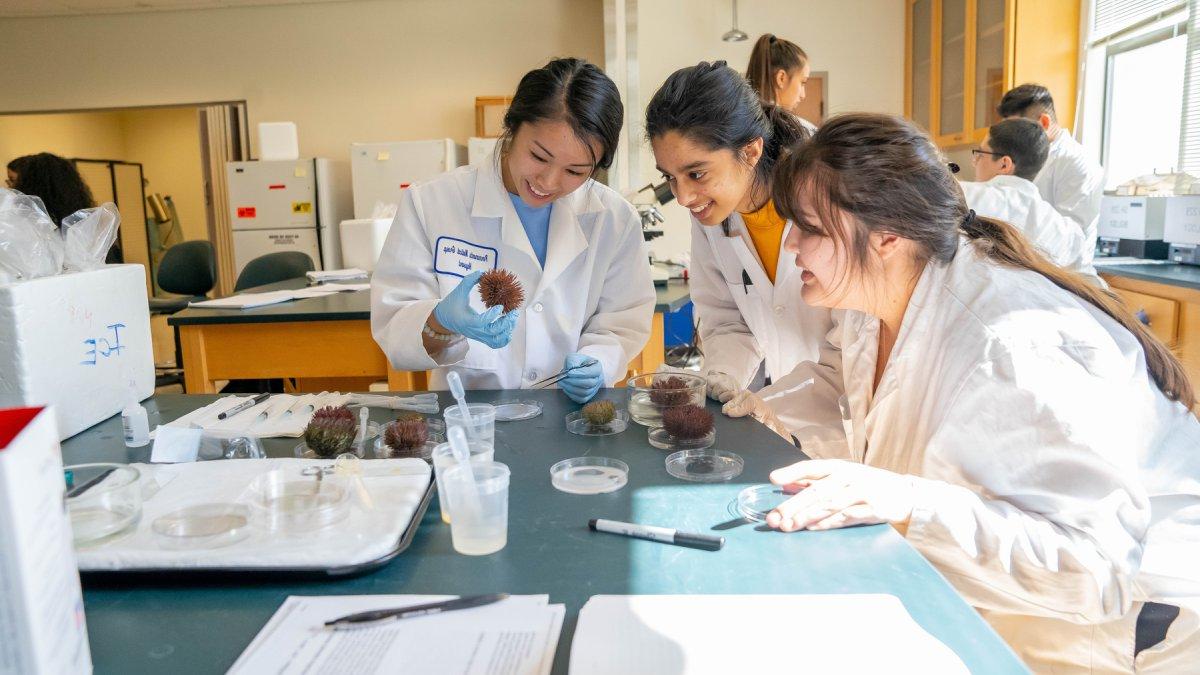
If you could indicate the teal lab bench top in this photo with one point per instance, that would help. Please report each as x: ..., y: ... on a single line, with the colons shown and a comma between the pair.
x: 144, y: 625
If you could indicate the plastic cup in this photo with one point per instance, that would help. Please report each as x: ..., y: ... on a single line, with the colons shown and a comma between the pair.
x: 482, y: 530
x: 483, y: 419
x: 443, y: 459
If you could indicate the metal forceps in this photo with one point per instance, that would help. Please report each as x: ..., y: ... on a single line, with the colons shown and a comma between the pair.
x: 554, y: 379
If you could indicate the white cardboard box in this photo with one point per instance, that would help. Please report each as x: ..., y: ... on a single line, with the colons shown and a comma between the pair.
x: 42, y: 627
x: 75, y: 341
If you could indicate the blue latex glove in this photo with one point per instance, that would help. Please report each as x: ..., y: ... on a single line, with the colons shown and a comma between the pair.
x: 493, y: 328
x: 581, y: 384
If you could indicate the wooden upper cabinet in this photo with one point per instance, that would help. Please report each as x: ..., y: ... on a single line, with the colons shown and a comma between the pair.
x: 962, y: 55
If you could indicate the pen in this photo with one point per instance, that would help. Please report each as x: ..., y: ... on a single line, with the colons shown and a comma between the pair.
x: 80, y: 489
x: 375, y: 616
x: 663, y: 534
x: 746, y: 282
x: 244, y: 405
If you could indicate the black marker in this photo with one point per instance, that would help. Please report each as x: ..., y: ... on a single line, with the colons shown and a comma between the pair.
x: 661, y: 534
x: 746, y: 282
x: 244, y: 405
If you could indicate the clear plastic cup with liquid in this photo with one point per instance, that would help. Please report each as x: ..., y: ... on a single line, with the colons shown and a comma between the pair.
x: 443, y: 458
x: 482, y: 416
x: 479, y: 526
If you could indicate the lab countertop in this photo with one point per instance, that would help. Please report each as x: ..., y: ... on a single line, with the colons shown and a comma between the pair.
x: 181, y: 625
x: 350, y: 306
x: 1171, y: 274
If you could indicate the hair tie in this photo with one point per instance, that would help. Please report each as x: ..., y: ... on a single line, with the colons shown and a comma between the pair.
x: 771, y: 39
x: 969, y: 218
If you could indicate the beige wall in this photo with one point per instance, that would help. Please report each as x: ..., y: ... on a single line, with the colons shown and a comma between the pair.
x: 166, y: 141
x: 860, y: 43
x: 344, y: 72
x: 92, y: 135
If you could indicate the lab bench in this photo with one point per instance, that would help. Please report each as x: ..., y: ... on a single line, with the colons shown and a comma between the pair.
x: 325, y: 343
x: 183, y: 625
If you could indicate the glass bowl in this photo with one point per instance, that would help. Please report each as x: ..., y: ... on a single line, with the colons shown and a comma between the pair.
x: 104, y: 500
x: 646, y: 404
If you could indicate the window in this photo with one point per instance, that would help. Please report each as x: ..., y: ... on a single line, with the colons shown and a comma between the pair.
x: 1143, y: 104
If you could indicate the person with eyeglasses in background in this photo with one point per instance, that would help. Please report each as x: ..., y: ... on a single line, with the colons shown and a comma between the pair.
x: 1070, y: 180
x: 1005, y: 165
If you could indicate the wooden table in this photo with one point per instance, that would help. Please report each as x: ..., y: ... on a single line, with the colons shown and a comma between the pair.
x: 325, y: 343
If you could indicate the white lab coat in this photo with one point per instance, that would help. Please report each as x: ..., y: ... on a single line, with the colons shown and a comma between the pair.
x: 1060, y: 488
x: 595, y: 295
x: 1017, y: 201
x: 1073, y: 184
x: 743, y: 324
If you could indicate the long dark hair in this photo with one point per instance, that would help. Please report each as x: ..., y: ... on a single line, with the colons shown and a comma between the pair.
x: 886, y: 173
x: 573, y: 91
x: 713, y: 105
x: 770, y: 55
x: 56, y: 181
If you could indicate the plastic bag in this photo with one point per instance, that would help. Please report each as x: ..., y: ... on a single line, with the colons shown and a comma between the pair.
x: 30, y: 245
x: 87, y: 235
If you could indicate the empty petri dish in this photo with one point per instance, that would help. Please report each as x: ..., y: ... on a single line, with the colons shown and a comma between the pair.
x: 704, y: 466
x: 515, y: 411
x: 576, y: 424
x: 589, y: 475
x: 202, y: 526
x: 756, y: 501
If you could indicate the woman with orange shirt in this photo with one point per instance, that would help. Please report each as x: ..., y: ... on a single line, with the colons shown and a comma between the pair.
x: 716, y: 145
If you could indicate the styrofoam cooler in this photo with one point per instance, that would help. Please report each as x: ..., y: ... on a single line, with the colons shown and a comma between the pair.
x: 362, y: 241
x: 76, y: 341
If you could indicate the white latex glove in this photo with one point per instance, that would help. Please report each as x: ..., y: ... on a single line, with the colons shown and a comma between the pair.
x: 721, y: 387
x: 836, y: 493
x: 746, y: 402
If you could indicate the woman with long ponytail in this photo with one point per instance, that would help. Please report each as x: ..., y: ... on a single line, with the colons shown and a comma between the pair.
x: 779, y: 71
x: 1016, y: 424
x: 717, y: 146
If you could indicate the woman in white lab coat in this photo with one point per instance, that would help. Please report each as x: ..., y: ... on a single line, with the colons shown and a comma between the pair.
x: 533, y: 208
x: 1020, y: 428
x: 716, y: 146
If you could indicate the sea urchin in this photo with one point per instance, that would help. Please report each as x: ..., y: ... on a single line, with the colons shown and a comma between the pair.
x: 500, y: 287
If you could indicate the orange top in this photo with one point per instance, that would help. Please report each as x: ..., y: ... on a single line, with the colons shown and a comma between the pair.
x: 765, y: 227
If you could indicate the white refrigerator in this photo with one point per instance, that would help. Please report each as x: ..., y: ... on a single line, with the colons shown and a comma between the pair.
x: 381, y: 171
x: 288, y: 205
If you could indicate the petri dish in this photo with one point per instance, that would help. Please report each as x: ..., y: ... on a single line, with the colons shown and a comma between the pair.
x: 288, y: 503
x: 756, y: 501
x: 662, y: 440
x: 589, y: 475
x: 581, y: 427
x: 104, y: 501
x: 425, y: 452
x: 202, y: 526
x: 704, y: 465
x: 515, y: 411
x: 304, y: 452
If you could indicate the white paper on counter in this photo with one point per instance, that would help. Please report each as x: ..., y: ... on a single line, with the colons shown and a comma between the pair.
x: 693, y: 634
x: 516, y: 636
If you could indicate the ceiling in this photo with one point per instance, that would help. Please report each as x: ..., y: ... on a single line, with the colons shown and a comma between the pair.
x: 19, y: 8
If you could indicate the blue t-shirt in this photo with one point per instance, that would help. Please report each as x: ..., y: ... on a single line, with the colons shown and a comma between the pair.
x: 536, y: 223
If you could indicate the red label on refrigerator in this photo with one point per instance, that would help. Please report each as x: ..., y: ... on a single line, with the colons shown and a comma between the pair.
x: 277, y: 186
x: 246, y: 212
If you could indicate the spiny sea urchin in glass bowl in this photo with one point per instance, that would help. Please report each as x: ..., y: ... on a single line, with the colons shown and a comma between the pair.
x: 653, y: 394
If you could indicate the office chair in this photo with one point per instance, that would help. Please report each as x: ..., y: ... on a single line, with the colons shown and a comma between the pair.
x: 189, y: 270
x: 267, y: 269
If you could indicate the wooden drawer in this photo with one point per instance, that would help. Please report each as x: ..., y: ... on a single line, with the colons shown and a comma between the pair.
x: 1163, y: 313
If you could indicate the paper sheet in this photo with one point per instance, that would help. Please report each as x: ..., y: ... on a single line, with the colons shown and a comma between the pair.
x: 327, y: 275
x: 517, y: 636
x: 245, y: 300
x: 754, y: 634
x: 281, y: 415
